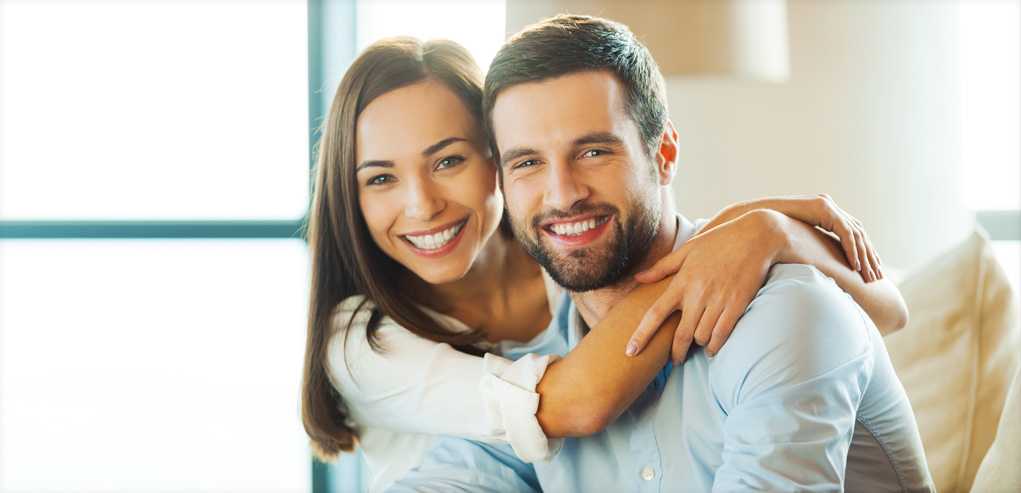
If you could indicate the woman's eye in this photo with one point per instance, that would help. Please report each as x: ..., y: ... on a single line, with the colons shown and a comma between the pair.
x: 449, y: 162
x: 379, y: 180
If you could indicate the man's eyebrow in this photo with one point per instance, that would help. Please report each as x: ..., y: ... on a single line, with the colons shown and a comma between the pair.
x: 372, y: 164
x: 437, y: 147
x: 515, y: 153
x: 598, y: 138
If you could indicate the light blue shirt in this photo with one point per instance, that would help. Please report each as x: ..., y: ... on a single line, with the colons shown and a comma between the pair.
x: 803, y: 397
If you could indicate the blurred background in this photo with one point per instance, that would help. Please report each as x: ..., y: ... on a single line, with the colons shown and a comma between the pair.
x: 154, y: 174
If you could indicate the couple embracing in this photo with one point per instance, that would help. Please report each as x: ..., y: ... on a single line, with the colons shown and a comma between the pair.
x: 505, y: 298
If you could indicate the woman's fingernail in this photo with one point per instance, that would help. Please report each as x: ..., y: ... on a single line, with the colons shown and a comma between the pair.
x: 632, y: 349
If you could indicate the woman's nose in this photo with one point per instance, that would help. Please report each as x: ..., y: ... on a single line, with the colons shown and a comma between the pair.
x: 423, y: 203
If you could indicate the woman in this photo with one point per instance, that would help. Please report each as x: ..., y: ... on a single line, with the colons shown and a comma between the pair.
x: 412, y: 258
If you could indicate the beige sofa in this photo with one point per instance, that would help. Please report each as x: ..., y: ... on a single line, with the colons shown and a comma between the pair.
x: 957, y: 358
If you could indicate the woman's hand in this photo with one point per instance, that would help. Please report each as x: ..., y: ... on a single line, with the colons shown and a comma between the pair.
x: 713, y: 289
x: 716, y: 275
x: 821, y: 211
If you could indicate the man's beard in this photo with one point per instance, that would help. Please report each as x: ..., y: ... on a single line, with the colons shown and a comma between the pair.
x: 595, y: 267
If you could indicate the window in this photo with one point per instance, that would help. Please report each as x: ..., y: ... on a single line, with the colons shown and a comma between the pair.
x: 990, y: 64
x: 154, y: 170
x: 142, y: 365
x: 184, y: 110
x: 478, y: 26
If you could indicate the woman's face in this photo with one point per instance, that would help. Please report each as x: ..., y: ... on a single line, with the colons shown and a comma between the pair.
x: 427, y: 188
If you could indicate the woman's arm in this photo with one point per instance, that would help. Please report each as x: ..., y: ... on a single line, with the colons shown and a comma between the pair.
x: 880, y: 298
x: 860, y: 275
x: 817, y: 210
x: 589, y: 388
x: 592, y: 385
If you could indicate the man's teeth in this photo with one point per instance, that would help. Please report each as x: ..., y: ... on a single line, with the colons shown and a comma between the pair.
x: 573, y: 229
x: 435, y: 240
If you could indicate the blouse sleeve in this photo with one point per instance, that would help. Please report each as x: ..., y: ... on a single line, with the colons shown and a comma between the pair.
x: 420, y: 386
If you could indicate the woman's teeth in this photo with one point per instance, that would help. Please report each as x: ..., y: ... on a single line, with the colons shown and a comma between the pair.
x: 574, y: 229
x: 435, y: 240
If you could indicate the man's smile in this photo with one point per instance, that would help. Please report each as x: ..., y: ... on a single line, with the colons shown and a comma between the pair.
x: 576, y: 231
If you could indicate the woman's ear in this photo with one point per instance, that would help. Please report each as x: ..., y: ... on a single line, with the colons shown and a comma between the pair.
x: 666, y: 155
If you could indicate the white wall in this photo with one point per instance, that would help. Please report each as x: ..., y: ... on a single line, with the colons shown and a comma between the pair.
x: 869, y: 116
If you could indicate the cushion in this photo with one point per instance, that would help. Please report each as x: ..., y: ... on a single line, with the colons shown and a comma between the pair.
x: 999, y: 470
x: 957, y: 356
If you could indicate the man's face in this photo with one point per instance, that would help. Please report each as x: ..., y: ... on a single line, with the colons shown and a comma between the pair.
x: 582, y: 192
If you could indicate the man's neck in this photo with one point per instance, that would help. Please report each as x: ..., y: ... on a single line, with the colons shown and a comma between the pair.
x: 594, y: 305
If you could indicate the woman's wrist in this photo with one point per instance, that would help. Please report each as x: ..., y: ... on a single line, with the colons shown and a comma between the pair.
x: 775, y: 234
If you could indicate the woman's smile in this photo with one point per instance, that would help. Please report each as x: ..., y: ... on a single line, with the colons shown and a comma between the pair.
x: 436, y: 242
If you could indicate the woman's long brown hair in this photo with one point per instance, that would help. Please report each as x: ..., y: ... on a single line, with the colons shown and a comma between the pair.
x: 344, y: 259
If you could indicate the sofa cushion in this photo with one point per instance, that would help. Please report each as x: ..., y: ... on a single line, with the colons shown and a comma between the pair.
x: 957, y: 356
x: 999, y: 470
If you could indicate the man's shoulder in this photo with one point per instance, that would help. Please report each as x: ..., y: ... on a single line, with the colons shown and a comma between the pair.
x: 800, y: 325
x: 797, y: 295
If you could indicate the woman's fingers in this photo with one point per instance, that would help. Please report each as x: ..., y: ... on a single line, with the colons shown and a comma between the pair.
x: 682, y: 341
x: 873, y: 257
x: 704, y: 330
x: 665, y: 305
x: 724, y: 327
x: 849, y: 242
x: 665, y: 266
x: 690, y: 316
x: 866, y: 272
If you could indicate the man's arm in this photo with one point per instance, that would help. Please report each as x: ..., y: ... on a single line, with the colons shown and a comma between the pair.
x: 791, y: 385
x: 460, y: 465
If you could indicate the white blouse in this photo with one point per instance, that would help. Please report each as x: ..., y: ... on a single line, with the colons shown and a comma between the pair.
x: 400, y: 398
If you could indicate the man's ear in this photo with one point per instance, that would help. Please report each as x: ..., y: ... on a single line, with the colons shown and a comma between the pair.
x: 666, y: 155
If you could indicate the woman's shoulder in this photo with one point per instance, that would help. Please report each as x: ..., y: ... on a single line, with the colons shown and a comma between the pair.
x: 352, y: 313
x: 349, y: 350
x: 352, y: 353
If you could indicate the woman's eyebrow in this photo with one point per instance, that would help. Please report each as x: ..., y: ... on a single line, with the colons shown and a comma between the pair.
x: 437, y: 147
x: 374, y: 164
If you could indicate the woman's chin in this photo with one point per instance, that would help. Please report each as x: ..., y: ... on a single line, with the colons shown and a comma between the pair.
x: 442, y: 274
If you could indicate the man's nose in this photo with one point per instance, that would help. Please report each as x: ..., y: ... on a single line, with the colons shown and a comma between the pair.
x: 563, y: 189
x: 423, y: 203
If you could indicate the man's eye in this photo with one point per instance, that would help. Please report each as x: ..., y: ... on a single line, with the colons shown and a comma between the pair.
x: 593, y: 153
x: 526, y: 163
x: 449, y: 162
x: 380, y: 180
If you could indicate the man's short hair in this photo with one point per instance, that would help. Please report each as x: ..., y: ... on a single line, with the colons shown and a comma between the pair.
x: 565, y: 44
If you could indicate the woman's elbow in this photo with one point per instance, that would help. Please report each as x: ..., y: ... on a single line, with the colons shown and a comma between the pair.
x: 903, y: 317
x: 575, y: 422
x: 588, y: 424
x: 898, y: 319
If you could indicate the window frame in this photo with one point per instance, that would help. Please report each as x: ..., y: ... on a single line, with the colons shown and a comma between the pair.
x: 331, y: 47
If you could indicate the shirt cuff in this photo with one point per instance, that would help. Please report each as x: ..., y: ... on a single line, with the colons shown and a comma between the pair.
x: 508, y: 390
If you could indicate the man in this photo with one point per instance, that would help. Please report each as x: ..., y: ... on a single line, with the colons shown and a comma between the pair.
x: 803, y: 396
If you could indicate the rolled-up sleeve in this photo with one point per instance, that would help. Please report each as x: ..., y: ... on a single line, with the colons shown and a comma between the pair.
x: 791, y: 392
x: 416, y: 385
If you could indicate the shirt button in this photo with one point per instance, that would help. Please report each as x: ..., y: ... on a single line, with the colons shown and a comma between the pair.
x: 648, y: 473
